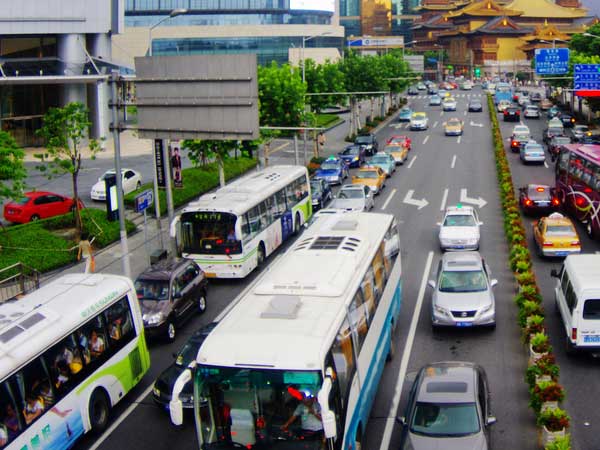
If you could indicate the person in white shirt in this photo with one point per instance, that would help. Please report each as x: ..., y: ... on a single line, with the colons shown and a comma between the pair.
x: 309, y: 412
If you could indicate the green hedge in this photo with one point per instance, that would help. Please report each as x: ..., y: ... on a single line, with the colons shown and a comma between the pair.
x: 48, y: 244
x: 197, y: 181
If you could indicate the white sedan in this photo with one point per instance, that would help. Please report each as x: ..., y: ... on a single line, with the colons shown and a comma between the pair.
x: 131, y: 180
x: 460, y: 229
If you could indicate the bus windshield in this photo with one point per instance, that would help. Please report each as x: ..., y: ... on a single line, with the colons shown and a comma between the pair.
x: 208, y: 232
x: 267, y: 409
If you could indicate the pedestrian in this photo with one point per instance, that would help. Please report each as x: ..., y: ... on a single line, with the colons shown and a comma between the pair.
x: 176, y: 164
x: 321, y: 140
x: 85, y: 252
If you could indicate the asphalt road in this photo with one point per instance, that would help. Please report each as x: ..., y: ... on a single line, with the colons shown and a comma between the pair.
x: 579, y: 374
x: 437, y: 170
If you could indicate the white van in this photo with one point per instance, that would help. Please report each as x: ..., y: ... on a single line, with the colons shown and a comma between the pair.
x: 577, y: 294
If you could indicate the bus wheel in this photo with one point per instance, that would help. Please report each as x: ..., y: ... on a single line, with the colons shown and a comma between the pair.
x: 392, y: 351
x: 297, y: 224
x: 171, y: 331
x: 358, y: 441
x: 202, y: 303
x: 99, y: 411
x: 260, y: 255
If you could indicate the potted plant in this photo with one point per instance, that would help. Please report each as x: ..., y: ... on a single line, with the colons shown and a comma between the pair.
x: 560, y: 443
x: 529, y: 308
x: 554, y: 423
x: 534, y: 323
x: 544, y: 369
x: 538, y: 346
x: 546, y: 395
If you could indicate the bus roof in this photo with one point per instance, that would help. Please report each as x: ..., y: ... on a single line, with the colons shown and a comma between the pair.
x: 247, y: 191
x: 31, y: 324
x: 590, y: 152
x: 288, y: 319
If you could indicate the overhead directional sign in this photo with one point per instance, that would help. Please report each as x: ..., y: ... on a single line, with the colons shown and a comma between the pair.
x: 551, y: 61
x: 586, y: 77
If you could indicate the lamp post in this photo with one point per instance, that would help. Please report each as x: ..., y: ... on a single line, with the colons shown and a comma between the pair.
x: 591, y: 35
x: 174, y: 13
x: 405, y: 44
x: 553, y: 42
x: 304, y: 39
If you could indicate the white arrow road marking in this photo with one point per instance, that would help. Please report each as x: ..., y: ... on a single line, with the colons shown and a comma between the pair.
x: 458, y: 140
x: 474, y: 201
x: 546, y: 165
x: 414, y: 158
x: 444, y: 199
x: 411, y: 201
x: 435, y: 124
x: 453, y: 162
x: 425, y: 140
x: 387, y: 200
x: 473, y: 124
x: 397, y: 125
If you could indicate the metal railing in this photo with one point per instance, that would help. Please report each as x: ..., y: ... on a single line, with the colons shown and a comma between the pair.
x: 17, y: 280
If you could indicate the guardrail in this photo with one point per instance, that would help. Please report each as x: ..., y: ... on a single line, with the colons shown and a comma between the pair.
x: 17, y: 280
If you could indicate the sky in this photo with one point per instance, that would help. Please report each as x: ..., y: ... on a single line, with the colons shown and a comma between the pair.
x: 593, y: 6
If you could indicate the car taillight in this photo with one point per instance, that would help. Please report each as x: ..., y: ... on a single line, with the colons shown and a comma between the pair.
x: 514, y: 143
x: 518, y: 113
x: 548, y: 244
x: 555, y: 201
x: 574, y: 334
x: 573, y: 119
x: 505, y: 112
x: 528, y: 202
x: 574, y: 242
x: 587, y: 190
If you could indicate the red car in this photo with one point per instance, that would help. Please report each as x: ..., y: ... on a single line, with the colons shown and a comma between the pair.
x: 38, y: 205
x: 398, y: 139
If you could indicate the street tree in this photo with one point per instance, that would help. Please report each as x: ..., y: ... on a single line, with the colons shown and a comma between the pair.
x: 396, y: 72
x: 64, y: 130
x: 281, y: 96
x: 586, y: 45
x: 12, y: 168
x: 323, y: 78
x: 199, y: 151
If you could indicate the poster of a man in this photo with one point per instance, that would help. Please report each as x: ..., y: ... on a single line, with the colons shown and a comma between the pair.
x: 176, y: 164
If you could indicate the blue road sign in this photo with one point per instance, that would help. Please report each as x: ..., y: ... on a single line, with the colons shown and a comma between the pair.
x: 586, y: 77
x: 143, y: 201
x: 551, y: 61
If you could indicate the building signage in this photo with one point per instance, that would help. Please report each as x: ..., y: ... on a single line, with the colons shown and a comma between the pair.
x: 551, y: 61
x: 389, y: 41
x: 160, y: 163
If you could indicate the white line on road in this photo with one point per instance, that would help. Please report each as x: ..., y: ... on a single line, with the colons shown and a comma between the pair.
x: 435, y: 124
x: 453, y: 162
x: 444, y: 199
x: 425, y: 140
x: 465, y: 113
x: 546, y: 165
x: 458, y: 140
x: 389, y: 425
x: 411, y: 162
x: 407, y: 125
x: 441, y: 113
x: 387, y: 200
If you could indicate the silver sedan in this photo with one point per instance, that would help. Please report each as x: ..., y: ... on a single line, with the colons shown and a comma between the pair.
x: 353, y: 197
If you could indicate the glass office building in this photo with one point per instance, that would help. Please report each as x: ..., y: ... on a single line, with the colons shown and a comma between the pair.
x: 268, y: 28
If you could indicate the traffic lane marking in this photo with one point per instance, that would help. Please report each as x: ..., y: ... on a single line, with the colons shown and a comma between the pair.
x: 412, y: 161
x: 387, y: 200
x: 425, y: 140
x: 444, y: 200
x: 453, y: 162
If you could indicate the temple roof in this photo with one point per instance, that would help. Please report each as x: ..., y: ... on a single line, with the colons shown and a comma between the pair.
x: 442, y: 5
x: 437, y: 21
x: 502, y: 25
x: 546, y: 33
x: 485, y: 8
x: 545, y: 9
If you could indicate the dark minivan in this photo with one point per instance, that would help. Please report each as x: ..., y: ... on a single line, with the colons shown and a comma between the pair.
x: 170, y: 292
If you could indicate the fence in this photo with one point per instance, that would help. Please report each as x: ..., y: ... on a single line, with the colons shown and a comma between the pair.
x: 17, y: 280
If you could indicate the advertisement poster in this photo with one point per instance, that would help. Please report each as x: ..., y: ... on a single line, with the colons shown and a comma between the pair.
x: 175, y: 155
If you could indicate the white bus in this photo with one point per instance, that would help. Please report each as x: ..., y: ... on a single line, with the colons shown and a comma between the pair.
x: 318, y: 324
x: 69, y: 351
x: 231, y: 231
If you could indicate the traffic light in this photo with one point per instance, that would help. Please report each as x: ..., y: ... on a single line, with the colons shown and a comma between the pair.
x: 477, y: 72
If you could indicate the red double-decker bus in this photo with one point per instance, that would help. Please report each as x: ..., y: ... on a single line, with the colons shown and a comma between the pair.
x: 578, y: 184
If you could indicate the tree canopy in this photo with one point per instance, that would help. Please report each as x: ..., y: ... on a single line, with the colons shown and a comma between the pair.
x: 12, y: 168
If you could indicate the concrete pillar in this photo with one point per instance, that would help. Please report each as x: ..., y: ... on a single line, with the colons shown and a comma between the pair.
x: 99, y: 46
x: 73, y: 58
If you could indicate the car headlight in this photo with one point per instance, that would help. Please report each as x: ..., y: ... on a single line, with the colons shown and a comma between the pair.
x: 441, y: 310
x: 486, y: 308
x: 445, y: 241
x: 355, y: 158
x: 153, y: 319
x: 472, y: 241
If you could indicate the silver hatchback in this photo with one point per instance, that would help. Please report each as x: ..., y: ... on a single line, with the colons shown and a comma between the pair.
x: 462, y: 292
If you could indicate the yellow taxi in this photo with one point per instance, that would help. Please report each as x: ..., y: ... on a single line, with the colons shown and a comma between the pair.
x: 397, y: 151
x: 555, y: 236
x: 370, y: 176
x: 454, y: 127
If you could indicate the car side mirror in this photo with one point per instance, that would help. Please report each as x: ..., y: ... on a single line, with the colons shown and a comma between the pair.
x: 491, y: 420
x: 554, y: 273
x: 480, y: 223
x: 431, y: 283
x: 493, y: 282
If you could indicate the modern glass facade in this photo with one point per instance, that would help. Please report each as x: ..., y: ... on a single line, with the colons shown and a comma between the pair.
x: 369, y: 18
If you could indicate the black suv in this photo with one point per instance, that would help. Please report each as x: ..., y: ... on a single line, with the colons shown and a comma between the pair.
x: 170, y: 292
x: 369, y: 142
x: 512, y: 113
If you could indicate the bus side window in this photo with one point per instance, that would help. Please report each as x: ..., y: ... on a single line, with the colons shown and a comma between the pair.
x: 343, y: 357
x: 280, y: 203
x: 35, y: 391
x: 254, y: 220
x: 379, y: 271
x: 118, y: 318
x: 302, y: 186
x: 370, y: 293
x: 290, y: 195
x: 359, y: 318
x: 10, y: 420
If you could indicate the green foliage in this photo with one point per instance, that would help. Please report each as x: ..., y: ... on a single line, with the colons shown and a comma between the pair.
x: 63, y: 130
x: 586, y: 45
x: 554, y: 419
x: 325, y: 120
x: 51, y: 243
x: 281, y: 95
x: 560, y: 443
x: 540, y: 343
x: 546, y: 365
x: 12, y: 168
x: 321, y: 78
x: 197, y: 181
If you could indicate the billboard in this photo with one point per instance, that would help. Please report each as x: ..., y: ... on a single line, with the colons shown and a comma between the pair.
x: 313, y: 5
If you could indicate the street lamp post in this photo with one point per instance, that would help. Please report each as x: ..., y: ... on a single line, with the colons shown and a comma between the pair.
x: 304, y: 39
x: 174, y: 13
x: 591, y: 35
x: 553, y: 42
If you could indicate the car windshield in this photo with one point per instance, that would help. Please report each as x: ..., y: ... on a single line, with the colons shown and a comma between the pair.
x: 363, y: 140
x: 462, y: 281
x: 379, y: 160
x: 108, y: 175
x: 330, y: 165
x: 405, y: 111
x: 456, y: 220
x: 392, y: 148
x: 22, y: 201
x: 445, y: 419
x: 315, y: 187
x: 418, y: 116
x: 351, y: 193
x: 560, y: 230
x: 581, y: 128
x: 538, y: 193
x: 351, y: 151
x: 533, y: 148
x: 366, y: 174
x: 157, y: 290
x: 521, y: 135
x: 559, y: 140
x: 555, y: 130
x: 453, y: 123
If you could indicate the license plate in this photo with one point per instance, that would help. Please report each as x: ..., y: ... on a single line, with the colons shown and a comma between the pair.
x: 561, y: 253
x: 595, y: 339
x: 459, y: 246
x: 543, y: 203
x: 210, y: 274
x: 464, y: 324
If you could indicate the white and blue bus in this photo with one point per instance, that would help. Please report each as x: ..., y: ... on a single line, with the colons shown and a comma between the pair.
x: 316, y: 327
x: 231, y: 231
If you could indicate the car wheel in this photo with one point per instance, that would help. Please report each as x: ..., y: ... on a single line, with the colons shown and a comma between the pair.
x: 392, y: 351
x: 171, y: 331
x: 99, y: 411
x: 260, y: 255
x: 569, y: 347
x: 202, y: 303
x: 34, y: 218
